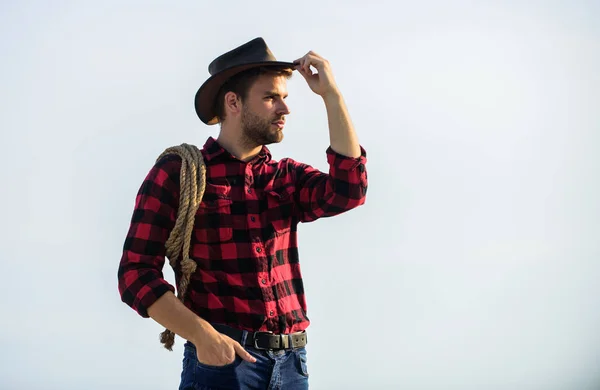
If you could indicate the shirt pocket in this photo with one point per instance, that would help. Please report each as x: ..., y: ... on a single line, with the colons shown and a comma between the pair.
x: 214, y: 222
x: 280, y: 208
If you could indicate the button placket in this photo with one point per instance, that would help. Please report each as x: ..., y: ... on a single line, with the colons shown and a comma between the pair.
x: 249, y: 179
x: 270, y: 304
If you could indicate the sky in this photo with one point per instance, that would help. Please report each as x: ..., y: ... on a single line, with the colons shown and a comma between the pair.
x: 473, y: 264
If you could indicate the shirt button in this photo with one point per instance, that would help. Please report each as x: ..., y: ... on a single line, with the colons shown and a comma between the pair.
x: 264, y: 281
x: 252, y: 219
x: 249, y: 190
x: 258, y: 250
x: 271, y: 313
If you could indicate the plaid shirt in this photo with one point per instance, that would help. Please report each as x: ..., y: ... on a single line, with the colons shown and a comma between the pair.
x: 244, y: 240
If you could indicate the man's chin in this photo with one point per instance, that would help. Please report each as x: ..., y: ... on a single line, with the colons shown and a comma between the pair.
x: 275, y: 139
x: 276, y: 136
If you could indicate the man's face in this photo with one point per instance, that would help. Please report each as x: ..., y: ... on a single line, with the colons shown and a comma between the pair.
x: 264, y: 110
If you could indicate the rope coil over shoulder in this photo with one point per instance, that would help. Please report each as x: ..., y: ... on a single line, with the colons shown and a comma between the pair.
x: 192, y: 179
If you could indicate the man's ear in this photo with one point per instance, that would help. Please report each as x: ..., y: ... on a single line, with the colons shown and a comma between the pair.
x: 233, y: 103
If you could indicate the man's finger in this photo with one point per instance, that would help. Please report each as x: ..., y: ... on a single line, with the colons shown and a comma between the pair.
x: 300, y: 60
x: 243, y: 353
x: 307, y: 68
x: 306, y: 76
x: 312, y: 53
x: 317, y: 62
x: 302, y: 63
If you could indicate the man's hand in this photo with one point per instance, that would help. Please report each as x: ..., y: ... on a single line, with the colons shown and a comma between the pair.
x: 216, y: 349
x: 321, y: 83
x: 212, y: 347
x: 342, y: 136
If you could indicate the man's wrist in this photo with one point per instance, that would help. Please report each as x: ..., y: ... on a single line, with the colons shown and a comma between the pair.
x: 332, y: 97
x: 202, y: 332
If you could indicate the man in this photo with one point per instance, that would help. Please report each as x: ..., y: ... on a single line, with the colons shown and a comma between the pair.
x: 244, y: 315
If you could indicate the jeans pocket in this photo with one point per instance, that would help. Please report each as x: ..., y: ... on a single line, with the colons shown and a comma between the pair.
x: 216, y: 377
x: 227, y: 366
x: 301, y: 361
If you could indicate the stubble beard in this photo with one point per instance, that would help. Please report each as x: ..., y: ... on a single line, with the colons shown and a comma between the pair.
x: 258, y: 131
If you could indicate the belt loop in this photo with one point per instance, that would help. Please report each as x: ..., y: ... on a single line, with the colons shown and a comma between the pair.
x: 244, y: 337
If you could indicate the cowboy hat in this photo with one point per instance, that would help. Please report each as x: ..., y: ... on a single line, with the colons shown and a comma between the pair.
x: 252, y: 54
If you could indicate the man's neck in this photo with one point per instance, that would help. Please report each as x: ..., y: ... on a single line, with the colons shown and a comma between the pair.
x: 237, y: 146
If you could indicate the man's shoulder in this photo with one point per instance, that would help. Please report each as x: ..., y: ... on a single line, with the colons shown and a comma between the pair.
x: 171, y: 156
x: 168, y: 162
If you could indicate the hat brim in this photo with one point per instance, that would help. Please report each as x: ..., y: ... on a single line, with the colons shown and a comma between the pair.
x: 205, y: 96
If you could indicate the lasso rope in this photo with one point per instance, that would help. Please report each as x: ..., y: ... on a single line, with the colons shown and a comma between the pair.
x: 192, y: 184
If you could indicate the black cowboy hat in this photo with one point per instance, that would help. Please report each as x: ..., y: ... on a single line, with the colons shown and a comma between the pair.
x: 249, y: 55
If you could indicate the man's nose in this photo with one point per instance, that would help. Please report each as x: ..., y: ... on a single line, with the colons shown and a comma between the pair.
x: 283, y: 109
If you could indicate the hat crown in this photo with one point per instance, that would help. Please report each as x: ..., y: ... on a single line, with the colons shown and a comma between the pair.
x: 253, y: 51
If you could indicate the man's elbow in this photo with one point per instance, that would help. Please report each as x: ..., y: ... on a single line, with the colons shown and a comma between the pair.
x: 140, y: 290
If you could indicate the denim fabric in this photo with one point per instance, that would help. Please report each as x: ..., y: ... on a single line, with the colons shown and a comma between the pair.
x: 273, y: 370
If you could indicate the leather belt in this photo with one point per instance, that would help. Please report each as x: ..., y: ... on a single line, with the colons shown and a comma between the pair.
x: 265, y: 340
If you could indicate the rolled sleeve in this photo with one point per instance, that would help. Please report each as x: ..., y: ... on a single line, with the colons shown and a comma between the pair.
x: 343, y: 188
x: 344, y: 163
x: 140, y: 277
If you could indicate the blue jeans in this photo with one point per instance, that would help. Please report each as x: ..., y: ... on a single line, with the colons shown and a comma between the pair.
x: 273, y: 370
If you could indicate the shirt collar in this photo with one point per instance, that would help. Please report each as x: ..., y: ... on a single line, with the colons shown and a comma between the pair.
x: 213, y: 151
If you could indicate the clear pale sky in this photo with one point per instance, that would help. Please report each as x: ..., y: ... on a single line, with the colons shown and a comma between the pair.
x: 474, y: 263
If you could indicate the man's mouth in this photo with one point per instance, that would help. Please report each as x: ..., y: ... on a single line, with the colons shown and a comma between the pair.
x: 279, y: 124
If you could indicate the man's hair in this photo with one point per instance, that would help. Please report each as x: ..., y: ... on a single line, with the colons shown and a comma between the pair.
x: 240, y: 84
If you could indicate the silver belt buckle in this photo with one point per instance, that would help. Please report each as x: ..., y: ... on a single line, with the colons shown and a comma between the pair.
x: 256, y: 339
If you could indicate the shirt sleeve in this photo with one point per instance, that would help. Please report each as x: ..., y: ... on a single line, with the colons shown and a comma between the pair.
x: 320, y: 194
x: 140, y: 277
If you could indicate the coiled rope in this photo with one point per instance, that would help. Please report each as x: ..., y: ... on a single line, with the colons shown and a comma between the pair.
x: 192, y: 179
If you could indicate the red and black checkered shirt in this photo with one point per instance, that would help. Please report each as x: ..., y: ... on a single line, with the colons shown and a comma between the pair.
x: 244, y: 240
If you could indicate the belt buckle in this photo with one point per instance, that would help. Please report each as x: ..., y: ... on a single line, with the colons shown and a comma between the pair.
x: 256, y: 338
